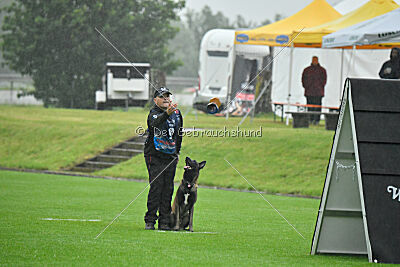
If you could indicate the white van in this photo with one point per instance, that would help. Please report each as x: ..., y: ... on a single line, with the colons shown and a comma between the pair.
x: 216, y: 66
x: 225, y: 68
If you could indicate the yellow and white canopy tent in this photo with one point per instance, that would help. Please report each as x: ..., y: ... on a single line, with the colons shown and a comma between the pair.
x: 342, y: 63
x: 278, y: 33
x: 384, y: 29
x: 339, y: 63
x: 312, y: 36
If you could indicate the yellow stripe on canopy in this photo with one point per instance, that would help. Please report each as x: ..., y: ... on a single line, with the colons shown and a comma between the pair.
x: 312, y: 37
x: 278, y: 33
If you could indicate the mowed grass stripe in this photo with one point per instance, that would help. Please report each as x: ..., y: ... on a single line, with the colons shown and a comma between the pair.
x: 50, y: 139
x: 247, y: 231
x: 283, y: 160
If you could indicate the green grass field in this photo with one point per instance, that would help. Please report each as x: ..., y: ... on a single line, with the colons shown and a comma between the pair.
x: 242, y: 228
x: 283, y: 160
x: 39, y: 138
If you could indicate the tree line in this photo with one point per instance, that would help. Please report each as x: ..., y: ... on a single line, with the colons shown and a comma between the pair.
x: 55, y: 42
x: 57, y: 45
x: 193, y: 26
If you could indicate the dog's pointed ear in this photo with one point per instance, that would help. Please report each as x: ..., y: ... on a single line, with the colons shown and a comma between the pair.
x: 188, y: 159
x: 202, y: 164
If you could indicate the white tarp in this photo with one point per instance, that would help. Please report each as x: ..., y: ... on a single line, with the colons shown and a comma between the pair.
x: 346, y: 6
x: 381, y: 29
x: 363, y: 63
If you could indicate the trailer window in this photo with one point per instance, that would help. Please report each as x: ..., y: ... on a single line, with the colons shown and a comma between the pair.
x: 128, y: 72
x: 217, y: 53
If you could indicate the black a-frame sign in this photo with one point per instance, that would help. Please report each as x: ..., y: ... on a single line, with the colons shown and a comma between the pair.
x: 360, y: 205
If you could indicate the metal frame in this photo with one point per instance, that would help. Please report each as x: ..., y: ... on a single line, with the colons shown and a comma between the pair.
x: 341, y: 224
x: 364, y: 215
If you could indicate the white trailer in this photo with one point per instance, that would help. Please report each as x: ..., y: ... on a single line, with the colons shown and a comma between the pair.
x: 225, y: 67
x: 124, y: 84
x: 216, y: 65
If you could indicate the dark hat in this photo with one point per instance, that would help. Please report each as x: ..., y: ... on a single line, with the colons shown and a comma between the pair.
x: 161, y: 91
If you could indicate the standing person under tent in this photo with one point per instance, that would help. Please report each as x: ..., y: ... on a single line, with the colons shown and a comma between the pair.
x: 391, y: 68
x: 314, y: 81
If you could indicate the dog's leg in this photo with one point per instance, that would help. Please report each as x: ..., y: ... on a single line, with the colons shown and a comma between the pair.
x: 177, y: 220
x: 191, y: 219
x: 172, y: 215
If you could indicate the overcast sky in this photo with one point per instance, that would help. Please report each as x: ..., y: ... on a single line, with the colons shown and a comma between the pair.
x: 254, y: 10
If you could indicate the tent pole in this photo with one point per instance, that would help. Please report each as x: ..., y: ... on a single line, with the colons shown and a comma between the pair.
x: 355, y: 54
x: 255, y: 102
x: 290, y: 79
x: 229, y: 89
x: 349, y: 65
x: 351, y: 60
x: 341, y: 75
x: 290, y: 73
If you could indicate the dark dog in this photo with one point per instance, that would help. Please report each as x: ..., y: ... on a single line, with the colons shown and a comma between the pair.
x: 186, y: 196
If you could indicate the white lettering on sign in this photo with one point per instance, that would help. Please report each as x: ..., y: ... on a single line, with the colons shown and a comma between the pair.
x: 395, y: 192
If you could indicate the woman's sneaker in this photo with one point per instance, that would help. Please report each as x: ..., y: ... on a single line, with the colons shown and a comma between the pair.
x: 164, y: 227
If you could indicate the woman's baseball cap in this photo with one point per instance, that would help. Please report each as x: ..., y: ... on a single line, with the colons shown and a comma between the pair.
x: 161, y: 91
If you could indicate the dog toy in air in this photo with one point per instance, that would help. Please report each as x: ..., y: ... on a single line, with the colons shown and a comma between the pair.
x: 213, y: 106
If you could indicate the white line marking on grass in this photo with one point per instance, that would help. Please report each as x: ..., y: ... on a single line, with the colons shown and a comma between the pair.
x: 133, y: 200
x: 187, y: 232
x: 265, y: 199
x: 71, y: 220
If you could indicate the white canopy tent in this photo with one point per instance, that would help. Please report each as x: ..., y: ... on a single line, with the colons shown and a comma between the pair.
x: 339, y: 64
x: 378, y: 30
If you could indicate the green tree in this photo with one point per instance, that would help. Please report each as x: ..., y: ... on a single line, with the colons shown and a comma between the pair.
x: 241, y: 23
x: 187, y: 42
x: 278, y: 17
x: 201, y: 22
x: 184, y: 45
x: 265, y: 22
x: 55, y: 42
x: 3, y: 66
